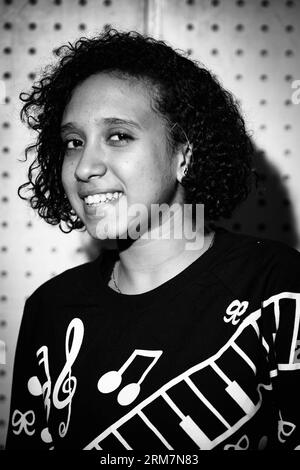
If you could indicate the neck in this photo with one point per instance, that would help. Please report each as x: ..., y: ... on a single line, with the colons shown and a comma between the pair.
x: 151, y: 260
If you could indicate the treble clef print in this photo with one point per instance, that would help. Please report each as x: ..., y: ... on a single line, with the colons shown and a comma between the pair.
x: 66, y: 383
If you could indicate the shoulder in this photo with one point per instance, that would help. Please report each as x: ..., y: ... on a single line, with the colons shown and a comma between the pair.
x: 71, y: 285
x: 246, y: 259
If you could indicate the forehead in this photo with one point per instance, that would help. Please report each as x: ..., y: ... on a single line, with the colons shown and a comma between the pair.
x: 104, y: 94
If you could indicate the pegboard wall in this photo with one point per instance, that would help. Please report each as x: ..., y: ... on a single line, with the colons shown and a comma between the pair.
x: 252, y: 46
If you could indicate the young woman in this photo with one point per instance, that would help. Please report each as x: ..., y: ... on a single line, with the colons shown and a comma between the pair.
x: 166, y: 342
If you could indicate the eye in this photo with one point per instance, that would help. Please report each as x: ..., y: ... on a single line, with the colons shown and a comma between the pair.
x: 72, y: 144
x: 119, y: 138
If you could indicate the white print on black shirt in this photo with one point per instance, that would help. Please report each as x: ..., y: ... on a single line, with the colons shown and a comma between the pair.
x: 110, y: 381
x: 230, y: 387
x: 65, y: 384
x: 23, y: 421
x: 234, y: 311
x: 231, y: 390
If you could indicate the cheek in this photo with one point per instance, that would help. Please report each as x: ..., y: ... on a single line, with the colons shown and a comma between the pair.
x: 67, y: 176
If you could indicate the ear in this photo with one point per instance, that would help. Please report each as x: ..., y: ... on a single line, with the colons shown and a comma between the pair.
x: 184, y: 154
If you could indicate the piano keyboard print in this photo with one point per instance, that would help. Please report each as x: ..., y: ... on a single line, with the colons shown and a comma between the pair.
x: 243, y: 405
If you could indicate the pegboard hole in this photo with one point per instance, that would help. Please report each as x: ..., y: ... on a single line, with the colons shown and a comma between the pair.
x: 5, y: 125
x: 57, y: 2
x: 240, y: 3
x: 240, y: 27
x: 239, y: 52
x: 5, y: 174
x: 190, y: 26
x: 288, y: 78
x: 264, y: 28
x: 82, y: 3
x: 7, y: 50
x: 215, y: 27
x: 3, y: 323
x: 289, y: 3
x: 239, y: 76
x: 32, y: 2
x: 31, y: 76
x: 3, y: 273
x: 6, y: 75
x: 32, y: 50
x: 264, y: 52
x: 265, y: 3
x: 4, y: 224
x: 263, y: 102
x: 289, y: 53
x: 214, y: 52
x: 57, y: 26
x: 215, y: 3
x: 107, y: 3
x: 5, y: 150
x: 32, y: 26
x: 264, y: 77
x: 289, y: 28
x: 82, y: 26
x: 7, y: 25
x: 261, y: 227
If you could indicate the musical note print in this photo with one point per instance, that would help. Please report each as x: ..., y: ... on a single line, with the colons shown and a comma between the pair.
x: 242, y: 444
x: 234, y: 311
x: 285, y: 429
x: 110, y: 381
x: 23, y: 420
x: 66, y: 383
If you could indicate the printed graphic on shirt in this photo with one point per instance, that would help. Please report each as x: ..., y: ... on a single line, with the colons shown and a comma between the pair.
x: 110, y: 381
x: 229, y: 390
x: 63, y: 390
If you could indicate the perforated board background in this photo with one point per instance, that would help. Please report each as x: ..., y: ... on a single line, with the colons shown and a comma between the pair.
x: 252, y: 46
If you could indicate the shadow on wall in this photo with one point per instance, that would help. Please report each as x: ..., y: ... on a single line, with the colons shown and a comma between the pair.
x: 266, y: 213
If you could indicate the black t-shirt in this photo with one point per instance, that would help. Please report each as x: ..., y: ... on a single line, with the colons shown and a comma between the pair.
x: 208, y: 360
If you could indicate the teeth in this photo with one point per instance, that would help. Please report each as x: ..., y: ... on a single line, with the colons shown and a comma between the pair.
x: 102, y: 197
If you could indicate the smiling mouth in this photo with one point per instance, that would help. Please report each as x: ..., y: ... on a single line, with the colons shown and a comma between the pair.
x: 102, y: 198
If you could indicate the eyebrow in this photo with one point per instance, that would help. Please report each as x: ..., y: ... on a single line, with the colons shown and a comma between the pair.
x: 106, y: 121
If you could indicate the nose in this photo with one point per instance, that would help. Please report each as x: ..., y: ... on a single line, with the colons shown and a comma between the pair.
x: 91, y: 164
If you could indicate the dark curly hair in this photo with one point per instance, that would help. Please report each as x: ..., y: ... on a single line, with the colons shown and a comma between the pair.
x: 194, y: 105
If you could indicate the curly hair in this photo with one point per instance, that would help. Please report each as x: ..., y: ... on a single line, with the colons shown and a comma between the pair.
x: 194, y: 105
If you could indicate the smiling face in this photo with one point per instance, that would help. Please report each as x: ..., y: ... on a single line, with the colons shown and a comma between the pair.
x: 116, y: 147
